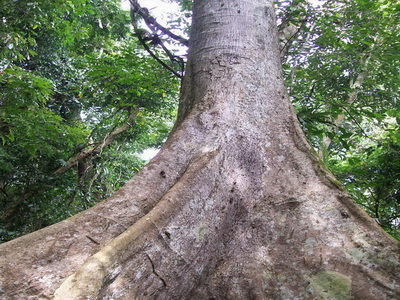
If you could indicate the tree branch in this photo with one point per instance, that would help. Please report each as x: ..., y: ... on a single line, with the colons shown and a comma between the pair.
x: 152, y: 23
x: 109, y: 138
x: 147, y: 48
x: 154, y: 26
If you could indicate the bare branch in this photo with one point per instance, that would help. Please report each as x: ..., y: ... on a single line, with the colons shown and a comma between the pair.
x: 152, y: 23
x: 154, y: 38
x: 143, y: 43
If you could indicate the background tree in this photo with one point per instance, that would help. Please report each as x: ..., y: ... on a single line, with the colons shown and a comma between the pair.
x: 72, y: 76
x: 236, y: 205
x: 342, y: 70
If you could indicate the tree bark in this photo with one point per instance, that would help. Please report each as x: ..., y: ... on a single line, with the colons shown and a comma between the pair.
x: 235, y: 206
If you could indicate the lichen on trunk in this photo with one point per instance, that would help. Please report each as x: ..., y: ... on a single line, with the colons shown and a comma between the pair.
x: 235, y: 206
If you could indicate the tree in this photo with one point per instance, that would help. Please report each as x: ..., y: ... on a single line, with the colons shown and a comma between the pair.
x: 235, y: 206
x: 342, y: 71
x: 77, y: 97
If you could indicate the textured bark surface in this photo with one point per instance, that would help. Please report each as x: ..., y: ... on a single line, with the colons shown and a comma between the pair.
x: 235, y: 206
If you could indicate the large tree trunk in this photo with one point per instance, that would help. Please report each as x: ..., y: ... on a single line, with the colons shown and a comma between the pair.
x: 235, y: 206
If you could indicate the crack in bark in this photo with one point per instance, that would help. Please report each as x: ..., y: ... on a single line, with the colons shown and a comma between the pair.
x: 289, y: 203
x: 154, y: 271
x: 92, y: 240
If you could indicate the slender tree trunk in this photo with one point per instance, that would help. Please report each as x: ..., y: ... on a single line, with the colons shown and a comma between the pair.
x: 235, y: 206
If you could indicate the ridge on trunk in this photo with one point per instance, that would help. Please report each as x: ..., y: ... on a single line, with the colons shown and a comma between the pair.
x: 235, y: 206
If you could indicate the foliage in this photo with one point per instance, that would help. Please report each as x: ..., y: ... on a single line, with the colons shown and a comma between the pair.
x: 71, y: 74
x: 371, y: 172
x: 342, y: 71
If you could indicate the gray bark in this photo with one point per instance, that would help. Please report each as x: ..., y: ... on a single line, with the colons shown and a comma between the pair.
x: 235, y: 206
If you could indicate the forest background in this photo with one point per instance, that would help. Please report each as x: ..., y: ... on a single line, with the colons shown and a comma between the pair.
x: 84, y: 90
